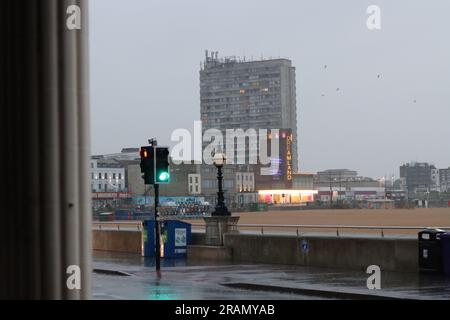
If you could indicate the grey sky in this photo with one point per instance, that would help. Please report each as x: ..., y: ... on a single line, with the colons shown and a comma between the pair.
x: 145, y: 57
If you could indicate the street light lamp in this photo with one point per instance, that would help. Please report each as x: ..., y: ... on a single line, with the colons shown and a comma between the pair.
x: 219, y: 161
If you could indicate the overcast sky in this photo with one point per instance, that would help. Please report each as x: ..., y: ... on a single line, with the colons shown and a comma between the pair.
x: 145, y: 60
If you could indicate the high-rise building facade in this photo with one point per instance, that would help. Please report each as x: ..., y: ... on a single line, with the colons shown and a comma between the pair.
x: 239, y: 94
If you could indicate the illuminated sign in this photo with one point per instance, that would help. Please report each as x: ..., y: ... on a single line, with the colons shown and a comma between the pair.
x: 289, y: 157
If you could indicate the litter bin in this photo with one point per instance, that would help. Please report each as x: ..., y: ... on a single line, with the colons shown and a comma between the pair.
x: 430, y: 251
x: 175, y: 237
x: 445, y: 238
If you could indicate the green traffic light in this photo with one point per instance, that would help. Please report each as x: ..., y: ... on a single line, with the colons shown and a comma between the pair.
x: 164, y: 176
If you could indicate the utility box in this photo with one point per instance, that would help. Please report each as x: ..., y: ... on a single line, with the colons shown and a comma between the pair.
x: 175, y: 237
x: 430, y: 251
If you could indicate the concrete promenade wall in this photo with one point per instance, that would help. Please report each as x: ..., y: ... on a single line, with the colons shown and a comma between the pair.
x: 336, y: 252
x: 117, y: 241
x: 208, y: 253
x: 127, y: 241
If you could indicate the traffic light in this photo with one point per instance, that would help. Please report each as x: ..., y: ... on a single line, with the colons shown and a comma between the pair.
x: 147, y: 164
x: 162, y: 173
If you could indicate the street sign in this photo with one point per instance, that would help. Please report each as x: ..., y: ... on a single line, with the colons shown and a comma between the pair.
x: 304, y: 245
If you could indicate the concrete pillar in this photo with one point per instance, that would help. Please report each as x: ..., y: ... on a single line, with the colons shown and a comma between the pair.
x: 217, y: 226
x: 45, y: 141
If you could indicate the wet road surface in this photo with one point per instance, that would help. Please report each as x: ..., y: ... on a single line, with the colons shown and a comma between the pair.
x: 135, y: 278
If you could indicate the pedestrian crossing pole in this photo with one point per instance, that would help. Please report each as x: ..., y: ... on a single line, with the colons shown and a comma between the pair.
x: 154, y: 143
x: 157, y: 230
x: 155, y: 166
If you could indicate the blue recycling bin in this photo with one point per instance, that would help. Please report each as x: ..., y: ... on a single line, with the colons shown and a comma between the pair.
x: 175, y: 237
x: 445, y: 239
x: 148, y: 238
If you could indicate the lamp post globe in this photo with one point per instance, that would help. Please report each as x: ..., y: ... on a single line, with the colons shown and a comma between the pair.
x: 219, y: 159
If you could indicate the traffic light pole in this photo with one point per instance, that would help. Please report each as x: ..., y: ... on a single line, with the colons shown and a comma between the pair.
x: 157, y: 230
x: 154, y: 165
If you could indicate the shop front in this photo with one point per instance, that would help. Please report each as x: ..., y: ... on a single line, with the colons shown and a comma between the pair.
x: 286, y: 196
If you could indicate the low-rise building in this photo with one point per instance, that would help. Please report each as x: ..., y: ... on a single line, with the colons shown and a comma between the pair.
x: 343, y: 179
x: 195, y: 183
x: 435, y: 180
x: 107, y: 176
x: 287, y: 197
x: 325, y: 194
x: 303, y: 181
x: 417, y: 177
x: 199, y: 180
x: 444, y: 179
x: 245, y: 182
x: 124, y: 154
x: 183, y: 181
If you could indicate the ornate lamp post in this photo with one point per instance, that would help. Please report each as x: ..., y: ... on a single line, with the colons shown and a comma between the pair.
x: 221, y: 210
x: 221, y: 221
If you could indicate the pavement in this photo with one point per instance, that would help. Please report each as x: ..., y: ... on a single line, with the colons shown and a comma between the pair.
x: 129, y: 276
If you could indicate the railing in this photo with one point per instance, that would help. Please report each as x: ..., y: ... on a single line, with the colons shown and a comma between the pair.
x: 106, y: 225
x: 137, y: 225
x: 299, y: 228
